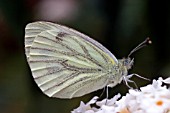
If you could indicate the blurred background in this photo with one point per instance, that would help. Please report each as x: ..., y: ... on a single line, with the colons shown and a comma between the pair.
x: 118, y: 24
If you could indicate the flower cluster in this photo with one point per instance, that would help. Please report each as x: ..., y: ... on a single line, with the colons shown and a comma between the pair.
x: 153, y: 98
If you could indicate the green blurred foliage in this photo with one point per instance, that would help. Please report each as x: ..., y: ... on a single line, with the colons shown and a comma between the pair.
x: 118, y: 24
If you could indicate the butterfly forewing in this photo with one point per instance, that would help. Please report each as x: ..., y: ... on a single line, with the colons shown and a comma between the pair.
x: 64, y: 62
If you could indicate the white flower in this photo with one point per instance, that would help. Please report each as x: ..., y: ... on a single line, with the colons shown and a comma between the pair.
x: 85, y: 108
x: 153, y: 98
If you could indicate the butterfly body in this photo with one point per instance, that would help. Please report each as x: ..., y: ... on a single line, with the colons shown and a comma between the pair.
x: 66, y: 63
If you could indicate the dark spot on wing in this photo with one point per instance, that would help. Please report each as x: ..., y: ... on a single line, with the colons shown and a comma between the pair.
x: 62, y: 34
x: 99, y: 70
x: 58, y: 38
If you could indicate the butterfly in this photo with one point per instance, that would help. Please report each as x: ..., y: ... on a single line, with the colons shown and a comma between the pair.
x: 66, y: 63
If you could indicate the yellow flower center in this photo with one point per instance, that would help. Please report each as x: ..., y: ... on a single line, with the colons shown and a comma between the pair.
x: 159, y: 103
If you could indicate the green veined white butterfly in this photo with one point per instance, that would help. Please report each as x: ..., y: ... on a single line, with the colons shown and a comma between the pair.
x: 66, y: 63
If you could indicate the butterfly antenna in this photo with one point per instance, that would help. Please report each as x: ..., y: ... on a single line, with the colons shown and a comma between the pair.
x: 146, y: 42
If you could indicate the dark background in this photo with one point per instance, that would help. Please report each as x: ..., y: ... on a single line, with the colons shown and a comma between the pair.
x: 118, y: 24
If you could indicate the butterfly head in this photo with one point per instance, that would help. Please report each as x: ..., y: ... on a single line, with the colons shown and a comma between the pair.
x: 128, y: 62
x: 124, y: 65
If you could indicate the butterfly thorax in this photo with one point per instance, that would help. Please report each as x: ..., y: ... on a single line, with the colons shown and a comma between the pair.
x: 119, y: 71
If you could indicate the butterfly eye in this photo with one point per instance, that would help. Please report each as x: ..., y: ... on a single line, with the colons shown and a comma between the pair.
x: 127, y: 62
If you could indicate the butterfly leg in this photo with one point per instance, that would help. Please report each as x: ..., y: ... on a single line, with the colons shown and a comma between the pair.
x: 102, y: 92
x: 107, y: 93
x: 126, y: 80
x: 131, y: 75
x: 133, y: 83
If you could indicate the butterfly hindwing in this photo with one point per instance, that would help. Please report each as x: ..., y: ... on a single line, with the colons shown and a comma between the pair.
x: 64, y: 62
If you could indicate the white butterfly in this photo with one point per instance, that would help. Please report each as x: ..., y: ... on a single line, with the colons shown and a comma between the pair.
x: 66, y: 63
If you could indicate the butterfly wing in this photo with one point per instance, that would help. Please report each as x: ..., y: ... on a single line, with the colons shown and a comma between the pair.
x: 64, y: 62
